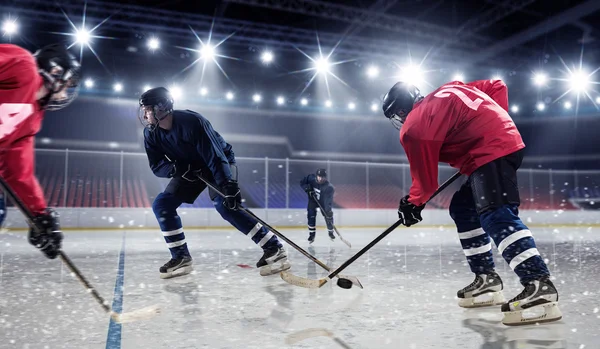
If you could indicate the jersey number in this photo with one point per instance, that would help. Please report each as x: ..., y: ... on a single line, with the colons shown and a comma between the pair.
x: 445, y: 93
x: 12, y: 114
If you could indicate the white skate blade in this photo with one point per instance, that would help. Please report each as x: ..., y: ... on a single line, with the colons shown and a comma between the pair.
x: 275, y: 268
x: 484, y: 300
x: 177, y: 272
x: 551, y: 312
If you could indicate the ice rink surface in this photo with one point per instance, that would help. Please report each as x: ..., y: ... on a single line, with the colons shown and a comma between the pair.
x: 410, y: 280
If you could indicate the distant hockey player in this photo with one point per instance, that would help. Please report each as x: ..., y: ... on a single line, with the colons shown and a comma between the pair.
x: 182, y: 145
x: 29, y: 85
x: 319, y: 191
x: 468, y: 127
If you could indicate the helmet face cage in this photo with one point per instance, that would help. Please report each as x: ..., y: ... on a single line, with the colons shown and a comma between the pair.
x: 61, y: 73
x: 161, y: 107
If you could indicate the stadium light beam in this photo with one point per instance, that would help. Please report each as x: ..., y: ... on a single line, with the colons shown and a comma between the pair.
x: 89, y: 83
x: 541, y: 106
x: 458, y: 77
x: 118, y: 87
x: 10, y: 27
x: 514, y: 109
x: 203, y: 91
x: 328, y: 103
x: 351, y: 106
x: 412, y: 74
x: 304, y: 101
x: 374, y: 107
x: 153, y: 44
x: 372, y: 72
x: 256, y: 98
x: 267, y: 57
x: 82, y: 36
x: 176, y: 92
x: 280, y: 100
x: 568, y: 105
x: 540, y: 79
x: 229, y: 96
x: 579, y: 81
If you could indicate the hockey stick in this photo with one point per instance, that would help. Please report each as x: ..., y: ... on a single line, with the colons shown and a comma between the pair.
x: 351, y: 279
x: 310, y: 283
x: 333, y: 225
x: 299, y: 336
x: 136, y: 315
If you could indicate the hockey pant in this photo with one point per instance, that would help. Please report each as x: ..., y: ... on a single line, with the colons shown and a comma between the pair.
x: 179, y: 191
x: 312, y: 217
x: 485, y: 208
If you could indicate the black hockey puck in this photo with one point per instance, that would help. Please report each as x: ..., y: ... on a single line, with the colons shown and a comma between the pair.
x: 344, y: 283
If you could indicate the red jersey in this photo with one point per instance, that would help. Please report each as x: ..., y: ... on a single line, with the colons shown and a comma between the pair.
x: 20, y: 119
x: 463, y: 125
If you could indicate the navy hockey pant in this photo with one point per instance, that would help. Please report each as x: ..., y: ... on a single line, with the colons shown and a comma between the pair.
x: 495, y: 221
x: 165, y: 209
x: 312, y: 217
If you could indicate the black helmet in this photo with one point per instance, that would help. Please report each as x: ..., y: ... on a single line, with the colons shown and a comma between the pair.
x: 58, y: 68
x: 322, y: 173
x: 161, y: 101
x: 399, y: 101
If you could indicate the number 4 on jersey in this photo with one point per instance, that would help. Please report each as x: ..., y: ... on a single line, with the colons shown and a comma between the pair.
x: 11, y: 115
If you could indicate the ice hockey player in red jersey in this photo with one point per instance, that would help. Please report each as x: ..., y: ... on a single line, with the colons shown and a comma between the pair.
x: 29, y: 85
x: 468, y: 127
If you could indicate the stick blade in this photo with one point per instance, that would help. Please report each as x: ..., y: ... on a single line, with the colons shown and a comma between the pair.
x: 302, y: 282
x: 136, y: 315
x: 299, y: 336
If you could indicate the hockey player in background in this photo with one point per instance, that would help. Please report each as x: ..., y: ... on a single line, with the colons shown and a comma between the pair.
x: 29, y: 85
x: 182, y: 145
x: 468, y: 127
x: 318, y: 189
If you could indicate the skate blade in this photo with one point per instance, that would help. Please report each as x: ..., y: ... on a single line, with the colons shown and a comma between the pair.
x: 178, y: 272
x: 484, y: 300
x: 518, y: 318
x: 272, y: 269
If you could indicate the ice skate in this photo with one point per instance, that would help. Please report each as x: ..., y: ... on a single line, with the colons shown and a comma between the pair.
x: 176, y: 267
x: 311, y: 237
x: 538, y: 295
x: 273, y: 261
x: 484, y: 291
x: 331, y: 236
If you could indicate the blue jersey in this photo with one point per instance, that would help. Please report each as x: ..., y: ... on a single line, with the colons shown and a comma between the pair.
x: 324, y: 191
x: 191, y: 141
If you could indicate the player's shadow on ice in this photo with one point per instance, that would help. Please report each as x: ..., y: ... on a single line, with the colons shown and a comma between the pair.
x: 496, y: 335
x: 189, y: 293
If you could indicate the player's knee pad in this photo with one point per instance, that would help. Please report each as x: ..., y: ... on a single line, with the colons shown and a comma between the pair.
x: 495, y: 185
x: 165, y: 202
x: 462, y: 210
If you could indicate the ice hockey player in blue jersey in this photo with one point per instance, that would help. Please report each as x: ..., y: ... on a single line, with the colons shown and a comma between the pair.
x: 182, y: 145
x: 319, y: 190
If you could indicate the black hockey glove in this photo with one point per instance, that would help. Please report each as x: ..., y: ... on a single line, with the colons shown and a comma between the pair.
x: 233, y: 197
x: 310, y: 192
x: 191, y: 175
x: 409, y: 213
x: 49, y: 237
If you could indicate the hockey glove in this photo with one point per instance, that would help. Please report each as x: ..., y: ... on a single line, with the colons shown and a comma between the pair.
x: 48, y: 236
x: 409, y: 213
x: 191, y: 175
x: 310, y: 192
x: 233, y: 197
